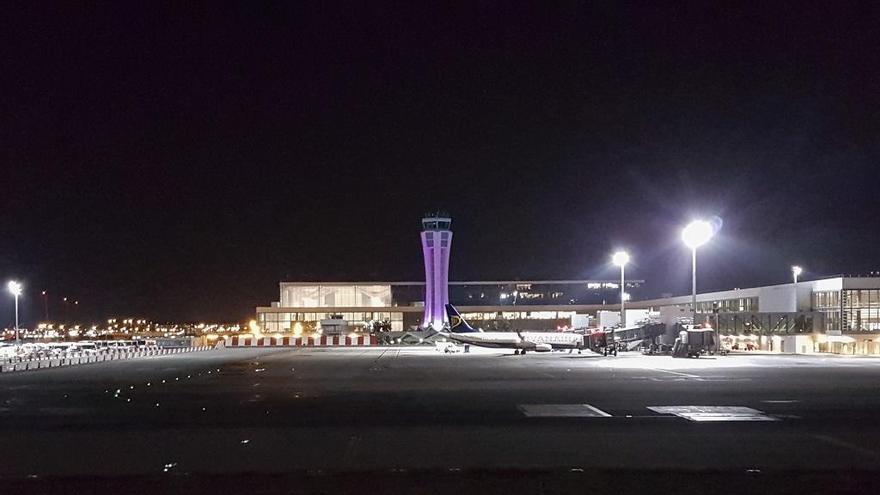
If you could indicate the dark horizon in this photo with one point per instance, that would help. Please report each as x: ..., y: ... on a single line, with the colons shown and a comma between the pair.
x: 177, y: 162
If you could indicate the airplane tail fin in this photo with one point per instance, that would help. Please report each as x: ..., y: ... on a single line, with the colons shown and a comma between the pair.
x: 457, y: 324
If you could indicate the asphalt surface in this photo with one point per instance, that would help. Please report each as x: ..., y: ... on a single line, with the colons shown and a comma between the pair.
x: 326, y: 413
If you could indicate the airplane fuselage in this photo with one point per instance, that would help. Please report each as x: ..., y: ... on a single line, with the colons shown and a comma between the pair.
x: 521, y: 340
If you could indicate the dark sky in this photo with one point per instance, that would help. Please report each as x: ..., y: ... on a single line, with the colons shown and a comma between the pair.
x: 177, y: 162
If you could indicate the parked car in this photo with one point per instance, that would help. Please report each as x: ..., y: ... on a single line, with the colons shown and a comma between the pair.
x: 88, y: 348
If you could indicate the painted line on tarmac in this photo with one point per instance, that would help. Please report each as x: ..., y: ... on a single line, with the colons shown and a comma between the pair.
x: 714, y: 413
x: 675, y: 372
x: 562, y: 411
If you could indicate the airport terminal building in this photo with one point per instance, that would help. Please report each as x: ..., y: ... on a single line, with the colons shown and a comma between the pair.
x: 342, y: 307
x: 334, y: 308
x: 838, y: 314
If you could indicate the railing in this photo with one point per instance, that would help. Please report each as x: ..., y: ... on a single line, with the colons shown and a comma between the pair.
x: 32, y: 363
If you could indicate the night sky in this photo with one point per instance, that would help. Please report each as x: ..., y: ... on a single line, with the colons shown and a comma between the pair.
x: 176, y: 162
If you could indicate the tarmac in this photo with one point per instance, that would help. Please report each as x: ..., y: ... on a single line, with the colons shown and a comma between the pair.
x: 387, y: 413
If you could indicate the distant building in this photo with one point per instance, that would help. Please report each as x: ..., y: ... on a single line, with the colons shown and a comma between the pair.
x: 837, y: 314
x: 503, y: 304
x: 340, y: 307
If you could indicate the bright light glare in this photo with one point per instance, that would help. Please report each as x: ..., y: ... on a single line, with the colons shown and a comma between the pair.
x: 14, y: 288
x: 255, y: 328
x: 697, y: 233
x: 620, y: 258
x: 796, y: 270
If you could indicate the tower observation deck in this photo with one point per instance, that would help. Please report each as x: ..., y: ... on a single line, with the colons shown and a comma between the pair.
x: 436, y: 242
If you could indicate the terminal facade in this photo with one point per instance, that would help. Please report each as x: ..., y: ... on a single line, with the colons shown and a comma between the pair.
x: 501, y: 304
x: 344, y: 307
x: 837, y: 314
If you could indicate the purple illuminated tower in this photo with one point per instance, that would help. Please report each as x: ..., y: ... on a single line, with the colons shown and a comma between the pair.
x: 436, y: 240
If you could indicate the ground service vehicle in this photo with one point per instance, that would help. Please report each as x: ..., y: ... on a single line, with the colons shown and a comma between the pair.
x: 694, y: 342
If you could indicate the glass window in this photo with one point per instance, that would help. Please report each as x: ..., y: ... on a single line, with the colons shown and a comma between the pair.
x: 861, y: 310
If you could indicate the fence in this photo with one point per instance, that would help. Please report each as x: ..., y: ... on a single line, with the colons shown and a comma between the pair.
x: 313, y: 341
x: 24, y: 364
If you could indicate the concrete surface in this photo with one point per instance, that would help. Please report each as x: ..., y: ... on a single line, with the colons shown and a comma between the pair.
x: 390, y: 410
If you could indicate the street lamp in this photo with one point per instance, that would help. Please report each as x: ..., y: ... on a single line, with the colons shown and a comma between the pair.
x: 796, y: 271
x: 621, y: 258
x: 695, y: 235
x: 15, y: 289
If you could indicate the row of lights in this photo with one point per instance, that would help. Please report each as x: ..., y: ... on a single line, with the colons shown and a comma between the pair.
x: 16, y: 288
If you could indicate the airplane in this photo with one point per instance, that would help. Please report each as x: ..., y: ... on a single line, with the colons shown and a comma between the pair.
x: 462, y: 332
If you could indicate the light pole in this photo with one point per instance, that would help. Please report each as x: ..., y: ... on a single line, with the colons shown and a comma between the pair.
x: 795, y: 272
x: 695, y: 235
x: 15, y: 289
x: 621, y: 258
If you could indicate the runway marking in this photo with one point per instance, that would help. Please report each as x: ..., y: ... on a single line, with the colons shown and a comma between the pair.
x: 675, y: 372
x: 562, y: 411
x: 714, y: 413
x: 375, y: 365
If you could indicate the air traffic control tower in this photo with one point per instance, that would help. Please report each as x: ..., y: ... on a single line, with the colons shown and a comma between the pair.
x: 436, y: 241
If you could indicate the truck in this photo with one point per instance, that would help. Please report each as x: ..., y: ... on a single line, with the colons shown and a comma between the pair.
x: 693, y: 342
x: 601, y: 341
